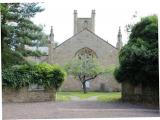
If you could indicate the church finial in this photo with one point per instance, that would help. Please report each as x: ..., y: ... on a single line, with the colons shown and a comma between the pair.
x: 51, y: 46
x: 75, y: 22
x: 93, y: 20
x: 119, y: 32
x: 51, y: 37
x: 75, y: 11
x: 93, y: 12
x: 119, y: 41
x: 51, y: 33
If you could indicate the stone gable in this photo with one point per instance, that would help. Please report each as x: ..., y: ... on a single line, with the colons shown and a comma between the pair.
x: 106, y: 54
x: 67, y: 50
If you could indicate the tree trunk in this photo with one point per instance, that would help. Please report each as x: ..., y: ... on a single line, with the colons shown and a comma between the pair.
x: 84, y: 87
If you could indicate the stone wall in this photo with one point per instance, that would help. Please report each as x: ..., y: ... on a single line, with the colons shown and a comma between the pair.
x: 24, y: 95
x: 140, y: 94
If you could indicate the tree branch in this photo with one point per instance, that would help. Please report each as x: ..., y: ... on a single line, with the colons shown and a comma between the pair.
x: 91, y: 78
x: 79, y: 76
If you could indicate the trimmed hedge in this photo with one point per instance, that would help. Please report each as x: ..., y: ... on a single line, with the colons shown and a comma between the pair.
x: 50, y: 76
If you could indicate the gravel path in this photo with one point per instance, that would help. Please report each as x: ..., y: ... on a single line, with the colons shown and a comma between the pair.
x: 76, y: 98
x: 93, y: 98
x: 75, y: 109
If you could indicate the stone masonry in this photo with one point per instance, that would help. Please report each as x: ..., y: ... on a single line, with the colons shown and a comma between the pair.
x: 24, y: 95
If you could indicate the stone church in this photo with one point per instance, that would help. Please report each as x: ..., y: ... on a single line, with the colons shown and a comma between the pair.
x: 85, y: 42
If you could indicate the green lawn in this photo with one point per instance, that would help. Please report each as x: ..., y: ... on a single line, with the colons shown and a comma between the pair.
x: 101, y: 96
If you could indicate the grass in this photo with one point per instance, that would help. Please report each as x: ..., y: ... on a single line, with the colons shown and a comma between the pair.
x: 101, y: 96
x: 61, y: 97
x: 110, y: 97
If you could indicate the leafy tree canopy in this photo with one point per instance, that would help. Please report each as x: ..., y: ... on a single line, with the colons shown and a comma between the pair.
x: 139, y: 57
x: 84, y: 70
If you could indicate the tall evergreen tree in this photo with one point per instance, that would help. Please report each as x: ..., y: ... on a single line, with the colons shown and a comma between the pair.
x: 17, y: 30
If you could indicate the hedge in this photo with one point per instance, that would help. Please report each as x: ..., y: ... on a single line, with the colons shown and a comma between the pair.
x: 50, y: 76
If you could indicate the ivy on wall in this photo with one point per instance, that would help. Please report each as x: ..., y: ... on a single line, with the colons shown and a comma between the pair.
x: 50, y: 76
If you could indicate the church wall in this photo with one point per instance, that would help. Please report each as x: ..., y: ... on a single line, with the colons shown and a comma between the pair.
x: 107, y: 55
x: 71, y: 84
x: 81, y: 25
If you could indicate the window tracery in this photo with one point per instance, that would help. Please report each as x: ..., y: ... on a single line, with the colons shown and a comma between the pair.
x: 86, y: 53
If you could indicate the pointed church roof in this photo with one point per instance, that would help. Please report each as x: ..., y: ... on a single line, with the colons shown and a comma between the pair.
x: 91, y: 33
x: 101, y: 39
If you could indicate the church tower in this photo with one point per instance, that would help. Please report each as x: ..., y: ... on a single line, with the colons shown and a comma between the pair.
x: 84, y: 23
x: 119, y: 40
x: 50, y: 46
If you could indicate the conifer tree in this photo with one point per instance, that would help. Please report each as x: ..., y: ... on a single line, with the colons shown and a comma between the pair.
x: 17, y: 30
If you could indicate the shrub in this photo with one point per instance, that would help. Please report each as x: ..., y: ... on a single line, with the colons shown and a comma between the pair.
x: 56, y: 77
x: 16, y: 76
x: 50, y: 76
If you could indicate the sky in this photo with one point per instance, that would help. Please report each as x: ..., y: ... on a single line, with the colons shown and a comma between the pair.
x: 110, y: 14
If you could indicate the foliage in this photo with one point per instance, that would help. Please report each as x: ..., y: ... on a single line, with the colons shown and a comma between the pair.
x: 11, y: 58
x: 139, y: 58
x: 50, y: 76
x: 36, y: 53
x: 81, y: 67
x: 84, y: 70
x: 16, y: 77
x: 110, y: 69
x: 17, y: 30
x: 130, y: 25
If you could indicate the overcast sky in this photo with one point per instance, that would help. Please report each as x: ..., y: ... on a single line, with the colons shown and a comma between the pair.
x: 110, y: 14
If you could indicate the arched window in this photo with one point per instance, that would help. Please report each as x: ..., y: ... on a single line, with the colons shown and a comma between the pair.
x: 86, y: 56
x: 85, y: 53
